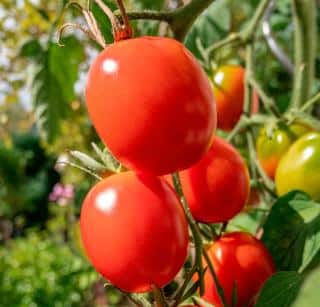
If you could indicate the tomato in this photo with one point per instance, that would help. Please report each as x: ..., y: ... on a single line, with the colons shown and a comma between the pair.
x: 271, y: 150
x: 299, y: 169
x: 238, y: 258
x: 228, y: 90
x: 217, y: 187
x: 134, y: 231
x: 151, y: 104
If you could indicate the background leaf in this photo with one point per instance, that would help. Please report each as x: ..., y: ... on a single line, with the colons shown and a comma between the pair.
x: 309, y: 293
x: 292, y: 231
x: 212, y: 25
x: 54, y: 83
x: 280, y: 290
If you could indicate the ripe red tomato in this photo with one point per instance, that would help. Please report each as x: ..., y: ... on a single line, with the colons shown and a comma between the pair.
x: 238, y: 258
x: 217, y: 187
x: 228, y: 90
x: 134, y: 231
x: 299, y: 169
x: 151, y: 104
x: 270, y: 150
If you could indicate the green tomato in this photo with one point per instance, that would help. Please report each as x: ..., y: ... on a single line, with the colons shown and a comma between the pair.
x: 270, y: 150
x: 299, y: 169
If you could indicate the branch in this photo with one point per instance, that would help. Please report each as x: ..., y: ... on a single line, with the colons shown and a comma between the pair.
x: 194, y: 229
x: 179, y: 20
x: 305, y: 36
x: 246, y: 35
x: 268, y: 102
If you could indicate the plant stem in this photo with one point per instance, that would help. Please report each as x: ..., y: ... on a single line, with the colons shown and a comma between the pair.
x: 215, y: 279
x: 194, y: 229
x: 159, y: 298
x: 308, y: 104
x: 246, y: 34
x: 179, y: 20
x: 268, y: 102
x: 179, y: 294
x: 305, y: 36
x: 185, y: 16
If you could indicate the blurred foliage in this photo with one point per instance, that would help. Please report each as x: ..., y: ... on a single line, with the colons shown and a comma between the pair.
x: 38, y: 271
x: 27, y: 176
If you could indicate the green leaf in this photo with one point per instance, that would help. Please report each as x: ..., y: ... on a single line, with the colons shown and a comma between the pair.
x: 87, y: 161
x: 280, y: 290
x: 103, y: 21
x: 31, y: 49
x: 54, y: 84
x: 64, y: 63
x: 292, y: 231
x: 211, y: 26
x: 309, y: 293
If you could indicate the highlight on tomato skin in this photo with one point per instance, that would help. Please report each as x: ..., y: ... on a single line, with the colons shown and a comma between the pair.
x: 228, y: 90
x: 151, y: 104
x: 299, y: 169
x: 134, y: 231
x: 241, y: 259
x: 217, y: 187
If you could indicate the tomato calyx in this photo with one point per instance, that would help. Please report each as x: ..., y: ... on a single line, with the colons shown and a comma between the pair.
x: 121, y: 28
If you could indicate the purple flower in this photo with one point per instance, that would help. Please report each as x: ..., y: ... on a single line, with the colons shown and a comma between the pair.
x: 62, y: 194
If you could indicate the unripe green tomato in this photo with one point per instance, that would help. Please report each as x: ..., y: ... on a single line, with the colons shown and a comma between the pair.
x: 299, y: 169
x: 271, y: 150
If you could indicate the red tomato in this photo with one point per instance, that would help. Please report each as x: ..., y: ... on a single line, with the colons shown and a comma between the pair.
x: 238, y: 258
x: 151, y: 104
x: 217, y: 187
x: 134, y: 231
x: 228, y: 90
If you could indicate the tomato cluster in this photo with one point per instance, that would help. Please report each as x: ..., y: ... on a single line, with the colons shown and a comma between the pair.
x: 153, y: 107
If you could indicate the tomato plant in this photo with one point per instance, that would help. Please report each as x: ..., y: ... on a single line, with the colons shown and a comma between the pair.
x: 134, y: 231
x: 270, y: 149
x: 299, y: 169
x: 153, y: 81
x: 228, y: 89
x: 240, y: 261
x: 154, y: 108
x: 217, y: 187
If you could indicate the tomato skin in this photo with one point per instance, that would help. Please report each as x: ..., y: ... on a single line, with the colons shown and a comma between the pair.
x: 134, y: 231
x: 217, y: 187
x: 299, y: 169
x: 228, y: 90
x: 271, y: 150
x: 151, y: 104
x: 237, y: 257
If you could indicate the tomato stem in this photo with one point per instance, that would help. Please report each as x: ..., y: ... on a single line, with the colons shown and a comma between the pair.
x: 126, y: 30
x: 305, y: 37
x: 194, y: 229
x: 159, y: 298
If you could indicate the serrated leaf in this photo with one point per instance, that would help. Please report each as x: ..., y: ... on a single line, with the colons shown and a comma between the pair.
x: 292, y: 231
x: 110, y: 161
x: 53, y: 84
x: 87, y: 161
x: 64, y: 64
x: 280, y: 290
x: 102, y: 20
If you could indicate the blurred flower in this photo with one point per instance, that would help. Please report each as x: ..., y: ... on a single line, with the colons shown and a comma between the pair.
x: 61, y: 162
x: 62, y: 194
